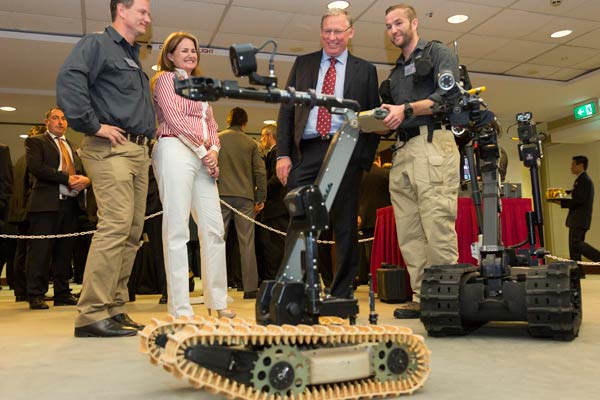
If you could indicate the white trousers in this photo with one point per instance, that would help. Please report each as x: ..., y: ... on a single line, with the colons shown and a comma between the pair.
x: 185, y: 186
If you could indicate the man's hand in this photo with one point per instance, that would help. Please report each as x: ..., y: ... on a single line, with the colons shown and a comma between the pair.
x: 283, y: 168
x: 78, y: 182
x: 112, y: 133
x: 258, y: 207
x: 395, y: 117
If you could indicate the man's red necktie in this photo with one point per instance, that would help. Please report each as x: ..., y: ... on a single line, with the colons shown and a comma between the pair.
x: 324, y: 117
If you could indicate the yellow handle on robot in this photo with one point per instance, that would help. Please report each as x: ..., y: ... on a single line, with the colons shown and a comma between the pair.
x: 476, y: 91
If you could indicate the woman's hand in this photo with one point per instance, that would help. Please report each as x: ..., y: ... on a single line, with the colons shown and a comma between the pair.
x: 211, y: 160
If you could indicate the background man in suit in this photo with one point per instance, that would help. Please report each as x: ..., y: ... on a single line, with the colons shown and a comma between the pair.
x: 53, y: 209
x: 242, y: 184
x: 17, y: 216
x: 270, y: 245
x: 374, y: 194
x: 580, y: 206
x: 6, y: 180
x: 303, y: 134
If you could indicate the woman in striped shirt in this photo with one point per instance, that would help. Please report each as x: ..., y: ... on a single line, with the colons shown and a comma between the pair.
x: 185, y: 162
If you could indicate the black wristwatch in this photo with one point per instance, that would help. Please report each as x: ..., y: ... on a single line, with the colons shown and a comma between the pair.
x: 408, y: 110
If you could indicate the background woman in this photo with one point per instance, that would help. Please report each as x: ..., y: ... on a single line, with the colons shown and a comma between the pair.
x: 186, y: 167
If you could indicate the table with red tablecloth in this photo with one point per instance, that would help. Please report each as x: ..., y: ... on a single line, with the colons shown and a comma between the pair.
x: 512, y: 219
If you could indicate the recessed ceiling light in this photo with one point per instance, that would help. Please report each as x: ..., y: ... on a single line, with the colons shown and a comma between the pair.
x: 8, y: 108
x: 560, y: 34
x: 457, y: 19
x: 338, y: 4
x: 23, y: 136
x: 155, y: 67
x: 269, y: 122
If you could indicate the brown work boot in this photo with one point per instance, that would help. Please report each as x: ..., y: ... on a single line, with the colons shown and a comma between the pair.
x: 408, y: 310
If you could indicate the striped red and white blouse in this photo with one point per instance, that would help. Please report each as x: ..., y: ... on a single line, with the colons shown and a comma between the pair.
x: 190, y: 121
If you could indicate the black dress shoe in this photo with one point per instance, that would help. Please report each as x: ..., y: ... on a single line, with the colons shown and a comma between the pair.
x: 124, y: 320
x: 38, y: 303
x: 70, y: 300
x: 105, y: 328
x: 163, y: 299
x: 250, y: 295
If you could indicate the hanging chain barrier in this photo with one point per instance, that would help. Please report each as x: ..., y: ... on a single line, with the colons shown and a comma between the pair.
x: 147, y: 217
x: 560, y: 259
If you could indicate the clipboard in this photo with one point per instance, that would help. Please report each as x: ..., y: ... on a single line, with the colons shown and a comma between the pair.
x: 371, y: 121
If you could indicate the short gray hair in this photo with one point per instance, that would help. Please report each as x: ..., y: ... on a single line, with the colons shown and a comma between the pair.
x: 334, y: 12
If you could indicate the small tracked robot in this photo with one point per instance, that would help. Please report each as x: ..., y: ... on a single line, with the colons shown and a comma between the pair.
x: 508, y: 285
x: 300, y: 347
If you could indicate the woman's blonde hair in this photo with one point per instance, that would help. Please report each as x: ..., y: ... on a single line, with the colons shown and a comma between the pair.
x: 168, y: 47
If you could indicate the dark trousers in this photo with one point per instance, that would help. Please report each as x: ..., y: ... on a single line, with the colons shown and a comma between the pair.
x: 80, y: 252
x: 19, y: 265
x: 148, y: 273
x: 578, y: 247
x: 8, y: 248
x: 43, y: 254
x: 270, y: 247
x: 342, y: 216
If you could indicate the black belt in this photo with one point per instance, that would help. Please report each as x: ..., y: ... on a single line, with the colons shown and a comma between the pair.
x: 405, y: 134
x: 318, y: 139
x: 141, y: 140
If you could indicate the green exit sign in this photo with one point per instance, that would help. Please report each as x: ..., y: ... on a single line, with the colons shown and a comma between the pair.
x: 585, y: 110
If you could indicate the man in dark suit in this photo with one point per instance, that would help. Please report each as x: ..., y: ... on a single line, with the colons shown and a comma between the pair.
x: 56, y: 201
x: 304, y: 134
x: 374, y: 194
x: 6, y: 180
x: 17, y: 216
x: 580, y: 206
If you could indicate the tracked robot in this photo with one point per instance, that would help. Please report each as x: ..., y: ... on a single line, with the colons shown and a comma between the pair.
x: 301, y: 346
x: 508, y: 285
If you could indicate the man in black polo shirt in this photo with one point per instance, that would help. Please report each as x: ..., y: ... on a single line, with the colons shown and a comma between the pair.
x: 105, y: 94
x: 424, y: 178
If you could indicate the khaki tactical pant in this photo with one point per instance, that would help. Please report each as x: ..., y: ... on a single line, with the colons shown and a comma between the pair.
x: 424, y: 183
x: 120, y: 180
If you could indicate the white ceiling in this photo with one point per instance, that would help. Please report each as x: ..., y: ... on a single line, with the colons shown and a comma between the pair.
x: 505, y: 44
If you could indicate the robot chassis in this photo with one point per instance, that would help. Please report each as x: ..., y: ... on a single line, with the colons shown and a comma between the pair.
x: 301, y: 347
x: 457, y: 299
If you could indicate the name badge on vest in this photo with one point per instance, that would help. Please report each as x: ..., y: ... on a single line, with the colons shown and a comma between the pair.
x: 410, y: 69
x: 133, y: 64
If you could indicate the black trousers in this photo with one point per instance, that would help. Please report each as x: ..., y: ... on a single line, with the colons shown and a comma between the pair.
x: 578, y: 247
x: 270, y: 247
x: 19, y: 266
x: 43, y: 254
x: 342, y: 216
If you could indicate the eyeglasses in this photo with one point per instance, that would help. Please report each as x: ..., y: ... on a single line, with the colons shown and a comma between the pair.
x: 336, y: 32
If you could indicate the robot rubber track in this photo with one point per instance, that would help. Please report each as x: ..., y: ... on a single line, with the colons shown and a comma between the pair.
x: 239, y: 359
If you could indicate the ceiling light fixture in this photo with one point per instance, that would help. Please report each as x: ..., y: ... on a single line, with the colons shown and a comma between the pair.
x: 342, y: 5
x: 23, y: 136
x: 559, y: 34
x: 457, y: 19
x: 8, y: 108
x: 269, y: 122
